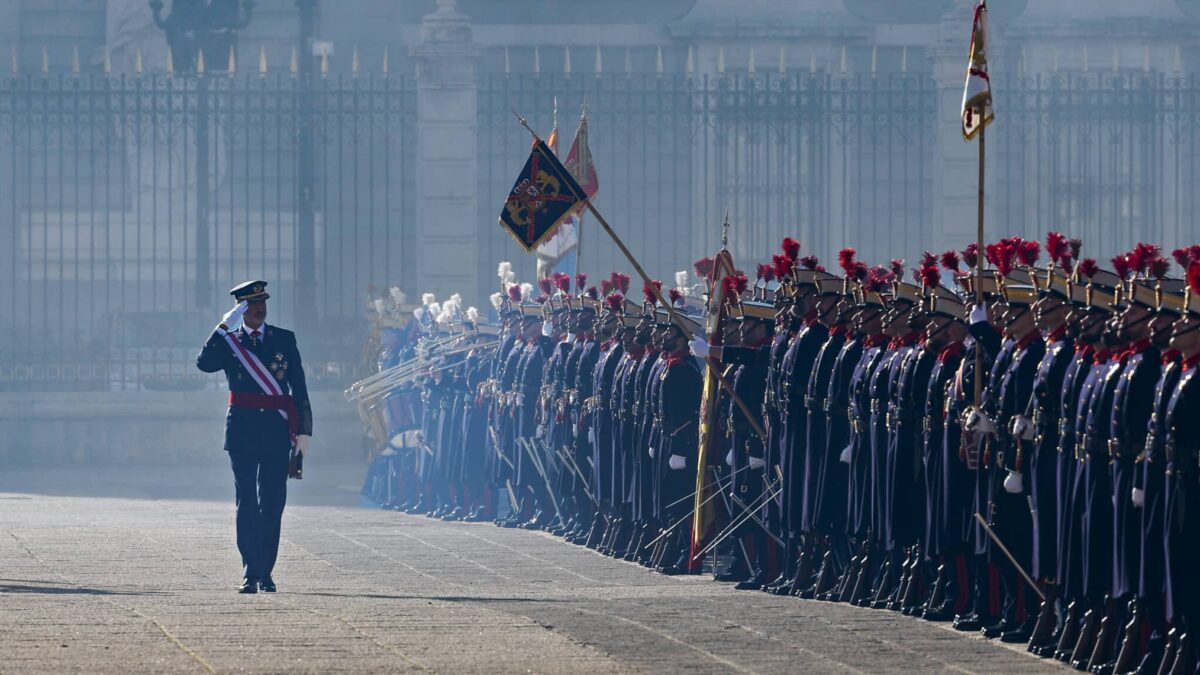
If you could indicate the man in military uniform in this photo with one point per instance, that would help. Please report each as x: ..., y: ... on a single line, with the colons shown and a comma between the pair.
x: 269, y: 418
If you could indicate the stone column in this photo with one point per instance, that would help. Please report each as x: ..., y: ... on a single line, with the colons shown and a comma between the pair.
x: 955, y: 163
x: 445, y: 251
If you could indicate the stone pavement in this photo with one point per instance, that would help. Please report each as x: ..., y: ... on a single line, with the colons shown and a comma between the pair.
x: 112, y: 570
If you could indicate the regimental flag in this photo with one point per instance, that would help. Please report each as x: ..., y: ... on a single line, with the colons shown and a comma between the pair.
x: 977, y: 91
x: 708, y: 454
x: 559, y: 252
x: 543, y: 196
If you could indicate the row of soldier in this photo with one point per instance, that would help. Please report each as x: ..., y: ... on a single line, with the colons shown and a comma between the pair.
x: 1008, y: 449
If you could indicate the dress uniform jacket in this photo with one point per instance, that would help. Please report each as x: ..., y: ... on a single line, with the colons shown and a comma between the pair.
x: 678, y: 399
x: 797, y: 367
x: 859, y: 506
x: 1182, y: 505
x: 1133, y: 400
x: 1041, y: 459
x: 940, y: 470
x: 1152, y: 475
x: 249, y: 429
x: 816, y: 428
x: 1070, y: 539
x: 749, y: 382
x: 905, y: 469
x: 833, y: 489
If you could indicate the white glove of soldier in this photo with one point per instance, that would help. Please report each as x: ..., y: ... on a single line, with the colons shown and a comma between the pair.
x: 729, y: 458
x: 700, y: 348
x: 1139, y: 497
x: 677, y: 462
x: 1014, y: 483
x: 979, y: 314
x: 233, y: 318
x: 847, y: 453
x: 651, y: 451
x: 1022, y: 427
x: 757, y: 462
x: 302, y: 443
x: 548, y: 328
x: 978, y: 422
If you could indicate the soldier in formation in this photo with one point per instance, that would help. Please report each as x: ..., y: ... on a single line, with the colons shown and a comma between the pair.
x: 1006, y: 439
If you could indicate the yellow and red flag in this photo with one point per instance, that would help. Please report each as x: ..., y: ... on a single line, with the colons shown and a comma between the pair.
x: 977, y: 90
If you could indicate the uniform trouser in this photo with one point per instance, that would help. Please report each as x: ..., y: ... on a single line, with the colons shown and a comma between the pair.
x: 260, y: 486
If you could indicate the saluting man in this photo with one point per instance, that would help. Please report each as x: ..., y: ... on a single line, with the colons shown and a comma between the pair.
x: 268, y: 426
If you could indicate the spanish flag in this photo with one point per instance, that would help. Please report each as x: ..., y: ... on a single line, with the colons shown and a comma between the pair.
x: 977, y: 91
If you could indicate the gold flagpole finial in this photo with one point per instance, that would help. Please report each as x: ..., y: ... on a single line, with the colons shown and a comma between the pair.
x: 725, y: 229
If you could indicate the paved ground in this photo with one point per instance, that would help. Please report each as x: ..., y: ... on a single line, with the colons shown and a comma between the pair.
x: 112, y: 570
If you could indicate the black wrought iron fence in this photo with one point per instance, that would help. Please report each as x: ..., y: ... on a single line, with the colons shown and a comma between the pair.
x: 128, y: 205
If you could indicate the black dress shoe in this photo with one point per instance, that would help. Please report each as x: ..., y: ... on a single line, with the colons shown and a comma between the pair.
x: 1018, y: 635
x: 751, y: 584
x: 996, y: 629
x: 249, y: 585
x: 967, y: 623
x: 266, y: 585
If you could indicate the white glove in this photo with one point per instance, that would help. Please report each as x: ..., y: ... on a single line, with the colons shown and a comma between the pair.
x: 1139, y: 497
x: 757, y: 462
x: 729, y: 458
x: 233, y: 317
x: 978, y: 422
x: 1022, y: 427
x: 548, y: 328
x: 1014, y: 483
x: 979, y: 314
x: 677, y: 462
x: 302, y: 443
x: 651, y: 451
x: 847, y: 453
x: 700, y: 348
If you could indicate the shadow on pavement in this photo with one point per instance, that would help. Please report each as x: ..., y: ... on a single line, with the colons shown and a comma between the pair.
x: 64, y: 590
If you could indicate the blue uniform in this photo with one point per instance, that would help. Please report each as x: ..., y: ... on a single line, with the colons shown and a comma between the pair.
x: 257, y: 440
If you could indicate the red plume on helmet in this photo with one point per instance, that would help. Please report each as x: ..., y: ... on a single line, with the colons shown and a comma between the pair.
x: 791, y: 248
x: 1121, y: 265
x: 580, y: 282
x: 846, y: 261
x: 547, y: 285
x: 927, y: 259
x: 951, y: 261
x: 782, y: 265
x: 741, y: 283
x: 897, y: 268
x: 1076, y: 246
x: 1088, y: 268
x: 592, y: 293
x: 1158, y: 267
x: 704, y: 268
x: 648, y: 291
x: 1193, y: 277
x: 623, y: 280
x: 1182, y: 256
x: 616, y: 302
x: 675, y: 296
x: 606, y: 287
x: 514, y: 293
x: 1141, y: 256
x: 764, y: 270
x: 861, y: 271
x: 970, y: 255
x: 878, y: 279
x: 916, y: 275
x: 1028, y: 252
x: 931, y: 277
x: 810, y: 262
x: 1056, y: 246
x: 729, y: 289
x: 562, y: 281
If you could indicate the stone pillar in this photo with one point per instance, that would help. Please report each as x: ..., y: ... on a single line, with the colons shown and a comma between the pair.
x: 445, y: 251
x: 955, y: 163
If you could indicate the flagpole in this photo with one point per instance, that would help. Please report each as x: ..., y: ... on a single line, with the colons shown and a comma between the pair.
x: 979, y: 264
x: 675, y: 318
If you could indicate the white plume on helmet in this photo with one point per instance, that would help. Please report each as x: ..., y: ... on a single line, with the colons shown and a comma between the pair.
x: 526, y: 291
x: 681, y: 282
x: 398, y: 296
x: 428, y: 299
x: 503, y: 270
x: 472, y: 315
x: 497, y: 300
